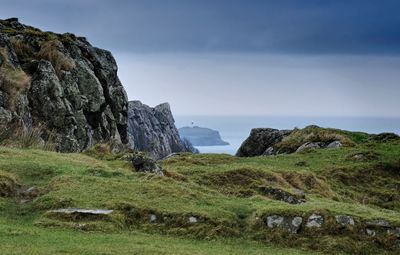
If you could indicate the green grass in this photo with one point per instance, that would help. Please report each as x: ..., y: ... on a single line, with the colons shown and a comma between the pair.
x: 220, y: 190
x: 22, y: 240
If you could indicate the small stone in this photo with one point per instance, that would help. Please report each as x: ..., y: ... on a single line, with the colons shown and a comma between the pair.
x: 80, y: 225
x: 193, y: 219
x: 315, y: 221
x: 344, y: 220
x: 153, y: 218
x: 370, y: 232
x: 296, y: 222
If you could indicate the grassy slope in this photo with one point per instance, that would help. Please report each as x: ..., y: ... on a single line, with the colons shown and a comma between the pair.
x: 220, y: 188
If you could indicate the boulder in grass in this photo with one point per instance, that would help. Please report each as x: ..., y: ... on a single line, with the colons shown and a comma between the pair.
x: 308, y: 146
x: 144, y: 163
x: 334, y: 145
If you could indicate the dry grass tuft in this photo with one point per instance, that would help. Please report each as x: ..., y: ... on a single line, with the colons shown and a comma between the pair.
x: 13, y: 81
x: 21, y: 48
x: 15, y: 135
x: 50, y: 51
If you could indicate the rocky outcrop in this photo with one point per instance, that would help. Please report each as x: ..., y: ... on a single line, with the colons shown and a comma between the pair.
x: 62, y: 82
x: 261, y: 142
x: 153, y: 130
x: 199, y: 136
x: 268, y: 141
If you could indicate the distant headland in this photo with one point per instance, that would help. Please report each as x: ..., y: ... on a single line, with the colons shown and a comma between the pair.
x: 200, y: 136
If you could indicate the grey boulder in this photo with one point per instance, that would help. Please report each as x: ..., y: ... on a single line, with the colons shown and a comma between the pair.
x: 287, y: 223
x: 261, y: 142
x: 308, y: 146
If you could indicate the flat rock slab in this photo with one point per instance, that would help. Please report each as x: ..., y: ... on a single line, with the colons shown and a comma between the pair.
x: 82, y: 211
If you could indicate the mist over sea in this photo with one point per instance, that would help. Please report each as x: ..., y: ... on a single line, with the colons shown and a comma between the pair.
x: 235, y: 129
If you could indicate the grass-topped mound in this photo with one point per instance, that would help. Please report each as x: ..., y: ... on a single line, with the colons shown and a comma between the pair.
x: 333, y: 200
x: 8, y: 185
x: 315, y: 134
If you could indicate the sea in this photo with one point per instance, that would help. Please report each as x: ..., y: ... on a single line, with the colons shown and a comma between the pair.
x: 235, y: 129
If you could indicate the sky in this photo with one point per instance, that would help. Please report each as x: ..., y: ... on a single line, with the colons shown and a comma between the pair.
x: 241, y: 57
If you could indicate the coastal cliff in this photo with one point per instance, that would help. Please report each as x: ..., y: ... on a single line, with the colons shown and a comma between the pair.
x: 63, y: 84
x: 153, y: 130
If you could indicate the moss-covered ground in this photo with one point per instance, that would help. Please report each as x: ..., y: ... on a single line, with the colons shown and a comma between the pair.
x: 221, y: 191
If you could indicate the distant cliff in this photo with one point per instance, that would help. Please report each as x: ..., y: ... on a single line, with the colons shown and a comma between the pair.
x: 199, y: 136
x: 62, y: 82
x: 153, y: 130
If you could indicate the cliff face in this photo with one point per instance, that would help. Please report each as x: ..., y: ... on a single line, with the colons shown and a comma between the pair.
x: 62, y: 82
x: 153, y: 130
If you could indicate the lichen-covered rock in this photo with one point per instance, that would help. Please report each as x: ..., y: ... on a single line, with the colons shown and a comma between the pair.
x: 261, y: 142
x: 334, y: 145
x: 344, y: 220
x: 315, y: 221
x: 281, y: 195
x: 287, y: 223
x: 63, y: 82
x: 153, y: 130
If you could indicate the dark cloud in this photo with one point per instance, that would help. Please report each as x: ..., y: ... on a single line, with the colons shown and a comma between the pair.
x: 281, y: 26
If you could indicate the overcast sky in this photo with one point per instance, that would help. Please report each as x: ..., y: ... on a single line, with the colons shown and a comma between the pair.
x: 239, y: 57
